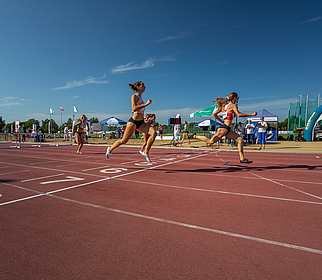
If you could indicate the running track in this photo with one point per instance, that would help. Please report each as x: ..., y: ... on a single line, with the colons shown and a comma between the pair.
x: 192, y: 214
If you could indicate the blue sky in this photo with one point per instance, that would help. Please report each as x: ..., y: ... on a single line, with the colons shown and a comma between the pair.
x: 59, y: 53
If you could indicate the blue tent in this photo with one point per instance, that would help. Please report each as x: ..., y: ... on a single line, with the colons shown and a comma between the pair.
x: 268, y: 117
x: 209, y: 122
x: 112, y: 121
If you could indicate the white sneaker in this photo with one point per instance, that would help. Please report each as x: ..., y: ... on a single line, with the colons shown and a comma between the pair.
x: 79, y: 153
x: 146, y: 156
x: 108, y: 152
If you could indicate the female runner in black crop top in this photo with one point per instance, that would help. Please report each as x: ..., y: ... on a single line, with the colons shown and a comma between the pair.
x: 228, y: 108
x: 136, y: 122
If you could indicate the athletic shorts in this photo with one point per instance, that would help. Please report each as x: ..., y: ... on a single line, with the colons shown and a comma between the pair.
x: 225, y: 126
x: 137, y: 123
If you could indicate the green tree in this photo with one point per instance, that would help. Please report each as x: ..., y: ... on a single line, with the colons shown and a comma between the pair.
x: 69, y: 123
x: 2, y: 124
x: 282, y: 126
x: 45, y: 123
x: 28, y: 124
x: 93, y: 120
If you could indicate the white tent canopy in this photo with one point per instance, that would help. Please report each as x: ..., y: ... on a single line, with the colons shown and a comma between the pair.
x: 112, y: 121
x: 208, y: 123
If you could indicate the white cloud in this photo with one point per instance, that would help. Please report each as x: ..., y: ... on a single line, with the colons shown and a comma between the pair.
x: 146, y: 64
x: 88, y: 80
x: 9, y: 102
x: 171, y: 37
x: 312, y: 20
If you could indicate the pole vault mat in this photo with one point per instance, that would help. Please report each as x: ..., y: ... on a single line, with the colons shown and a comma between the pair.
x: 190, y: 214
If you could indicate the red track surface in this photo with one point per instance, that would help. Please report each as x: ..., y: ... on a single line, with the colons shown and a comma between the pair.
x: 186, y: 216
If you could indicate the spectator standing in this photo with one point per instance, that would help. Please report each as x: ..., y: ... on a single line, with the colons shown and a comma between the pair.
x: 161, y: 131
x: 5, y: 131
x: 250, y: 132
x: 20, y: 130
x: 65, y: 133
x: 262, y: 127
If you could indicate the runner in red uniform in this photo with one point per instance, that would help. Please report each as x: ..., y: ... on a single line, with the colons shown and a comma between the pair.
x: 228, y: 108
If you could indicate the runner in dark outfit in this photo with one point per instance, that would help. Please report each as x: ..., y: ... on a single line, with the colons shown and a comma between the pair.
x: 136, y: 122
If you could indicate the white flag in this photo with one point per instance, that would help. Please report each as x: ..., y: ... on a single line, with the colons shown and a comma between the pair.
x: 75, y: 109
x: 51, y: 110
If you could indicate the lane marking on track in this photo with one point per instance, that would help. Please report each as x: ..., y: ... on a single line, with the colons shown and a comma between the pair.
x: 68, y: 179
x: 65, y: 165
x: 190, y: 226
x: 54, y: 169
x: 291, y: 188
x: 14, y: 172
x: 273, y: 181
x: 113, y: 170
x: 98, y: 181
x: 238, y: 176
x: 222, y: 192
x: 4, y: 167
x: 45, y: 162
x: 39, y: 178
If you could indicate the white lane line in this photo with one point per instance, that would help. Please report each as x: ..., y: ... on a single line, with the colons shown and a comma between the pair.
x: 274, y: 182
x: 240, y: 176
x: 120, y: 175
x: 95, y: 168
x: 294, y: 189
x: 66, y: 165
x: 68, y: 179
x: 4, y: 167
x: 45, y: 162
x: 14, y: 172
x: 54, y: 169
x: 21, y: 199
x: 222, y: 192
x: 216, y: 231
x: 39, y: 178
x: 102, y: 180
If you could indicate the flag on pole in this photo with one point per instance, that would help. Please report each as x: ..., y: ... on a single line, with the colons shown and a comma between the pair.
x: 75, y: 109
x: 61, y: 109
x: 51, y: 111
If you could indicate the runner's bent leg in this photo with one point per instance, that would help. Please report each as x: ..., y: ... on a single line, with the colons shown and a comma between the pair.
x: 219, y: 134
x: 148, y: 129
x: 145, y: 137
x: 236, y: 137
x: 130, y: 128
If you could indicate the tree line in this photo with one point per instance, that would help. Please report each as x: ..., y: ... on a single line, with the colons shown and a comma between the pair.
x: 43, y: 125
